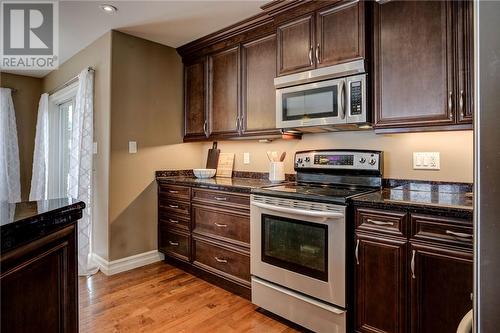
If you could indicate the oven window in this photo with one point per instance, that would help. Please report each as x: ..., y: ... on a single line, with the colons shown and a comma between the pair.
x: 312, y: 103
x: 295, y: 245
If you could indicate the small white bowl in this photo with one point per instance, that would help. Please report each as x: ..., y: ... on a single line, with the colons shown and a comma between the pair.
x: 204, y: 173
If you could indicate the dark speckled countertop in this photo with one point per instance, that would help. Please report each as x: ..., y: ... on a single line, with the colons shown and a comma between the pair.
x: 24, y: 222
x: 425, y: 197
x: 235, y: 184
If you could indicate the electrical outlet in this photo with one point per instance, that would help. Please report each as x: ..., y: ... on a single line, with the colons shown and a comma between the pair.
x: 246, y: 158
x: 426, y: 161
x: 132, y: 147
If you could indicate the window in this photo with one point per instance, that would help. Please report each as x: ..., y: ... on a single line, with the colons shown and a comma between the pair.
x: 62, y: 105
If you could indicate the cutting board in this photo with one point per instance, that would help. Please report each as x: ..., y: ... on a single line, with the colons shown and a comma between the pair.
x: 213, y: 157
x: 225, y: 166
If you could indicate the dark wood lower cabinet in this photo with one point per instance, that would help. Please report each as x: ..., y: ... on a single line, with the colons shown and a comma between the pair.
x: 206, y: 234
x: 380, y: 281
x: 418, y: 283
x: 39, y: 291
x: 440, y: 288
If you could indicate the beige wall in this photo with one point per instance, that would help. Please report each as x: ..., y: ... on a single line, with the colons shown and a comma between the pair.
x: 147, y: 107
x: 456, y: 150
x: 97, y: 55
x: 25, y: 101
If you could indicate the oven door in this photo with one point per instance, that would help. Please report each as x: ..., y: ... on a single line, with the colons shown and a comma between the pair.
x: 312, y: 104
x: 299, y: 248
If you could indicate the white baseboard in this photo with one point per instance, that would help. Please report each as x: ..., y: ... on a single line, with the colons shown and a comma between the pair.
x: 128, y: 263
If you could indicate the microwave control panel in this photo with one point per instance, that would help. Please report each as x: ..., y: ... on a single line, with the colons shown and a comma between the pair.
x: 356, y: 98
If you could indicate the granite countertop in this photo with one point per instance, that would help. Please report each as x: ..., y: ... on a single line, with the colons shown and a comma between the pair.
x: 428, y: 196
x: 24, y: 222
x: 235, y: 184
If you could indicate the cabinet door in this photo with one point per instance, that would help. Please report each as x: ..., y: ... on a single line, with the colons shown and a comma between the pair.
x: 380, y: 284
x: 259, y: 98
x: 441, y: 286
x: 465, y: 63
x: 340, y: 34
x: 195, y: 120
x: 413, y: 64
x: 224, y: 95
x: 295, y: 46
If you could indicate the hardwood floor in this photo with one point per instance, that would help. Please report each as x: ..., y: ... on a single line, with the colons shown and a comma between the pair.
x: 162, y: 298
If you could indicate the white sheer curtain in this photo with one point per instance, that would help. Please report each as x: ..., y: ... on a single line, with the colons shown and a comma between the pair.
x: 80, y: 166
x: 39, y: 178
x: 10, y: 188
x: 79, y: 181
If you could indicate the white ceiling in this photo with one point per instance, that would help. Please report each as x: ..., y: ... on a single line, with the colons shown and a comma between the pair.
x: 171, y: 23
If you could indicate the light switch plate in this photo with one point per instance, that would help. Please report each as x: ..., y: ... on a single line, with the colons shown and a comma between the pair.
x: 132, y: 147
x: 246, y: 158
x: 426, y: 161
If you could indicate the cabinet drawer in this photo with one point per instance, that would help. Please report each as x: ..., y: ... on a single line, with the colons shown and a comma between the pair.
x: 222, y: 260
x: 443, y: 230
x: 388, y: 222
x: 172, y: 220
x: 222, y: 198
x: 174, y: 207
x: 173, y: 243
x: 174, y: 191
x: 222, y: 224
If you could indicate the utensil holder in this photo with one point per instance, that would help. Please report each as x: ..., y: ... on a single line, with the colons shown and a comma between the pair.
x: 277, y: 171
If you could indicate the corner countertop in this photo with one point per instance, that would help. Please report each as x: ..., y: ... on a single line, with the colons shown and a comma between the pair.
x: 23, y: 222
x: 428, y: 197
x: 234, y: 184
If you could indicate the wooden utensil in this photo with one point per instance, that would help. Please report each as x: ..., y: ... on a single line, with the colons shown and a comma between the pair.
x: 213, y: 157
x: 282, y: 157
x: 269, y: 156
x: 275, y: 156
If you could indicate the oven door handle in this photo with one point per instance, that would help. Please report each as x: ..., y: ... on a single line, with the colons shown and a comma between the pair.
x: 299, y: 211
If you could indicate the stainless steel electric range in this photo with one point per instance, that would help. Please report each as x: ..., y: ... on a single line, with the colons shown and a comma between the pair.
x: 298, y: 244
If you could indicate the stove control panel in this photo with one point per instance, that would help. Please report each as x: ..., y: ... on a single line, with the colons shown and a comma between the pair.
x: 340, y: 160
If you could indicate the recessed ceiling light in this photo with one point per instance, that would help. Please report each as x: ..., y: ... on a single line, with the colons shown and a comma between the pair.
x: 108, y: 9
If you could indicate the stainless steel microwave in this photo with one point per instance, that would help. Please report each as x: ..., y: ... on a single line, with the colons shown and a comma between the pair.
x: 330, y: 97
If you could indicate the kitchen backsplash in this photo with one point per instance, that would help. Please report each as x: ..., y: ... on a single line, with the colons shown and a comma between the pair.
x: 455, y: 148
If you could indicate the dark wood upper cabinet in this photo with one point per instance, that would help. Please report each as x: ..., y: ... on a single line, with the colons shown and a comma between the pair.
x: 441, y: 287
x: 195, y: 122
x: 414, y: 64
x: 258, y: 94
x: 380, y: 284
x: 465, y: 61
x: 340, y: 34
x: 296, y: 45
x: 224, y: 83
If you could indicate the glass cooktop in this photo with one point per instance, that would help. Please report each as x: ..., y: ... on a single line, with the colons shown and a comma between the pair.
x: 312, y: 192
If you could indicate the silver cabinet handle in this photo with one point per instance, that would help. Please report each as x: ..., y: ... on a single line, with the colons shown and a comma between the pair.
x: 221, y: 260
x: 458, y: 234
x: 173, y: 192
x: 220, y: 225
x: 356, y: 252
x: 461, y: 103
x: 205, y: 128
x: 311, y: 55
x: 380, y: 222
x: 237, y: 123
x: 173, y: 206
x: 342, y: 99
x: 173, y: 243
x: 317, y: 54
x: 450, y: 104
x: 412, y: 265
x: 173, y: 221
x: 220, y: 198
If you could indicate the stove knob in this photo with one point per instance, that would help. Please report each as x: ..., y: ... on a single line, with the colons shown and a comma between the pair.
x: 373, y: 161
x: 299, y: 160
x: 308, y: 160
x: 362, y: 160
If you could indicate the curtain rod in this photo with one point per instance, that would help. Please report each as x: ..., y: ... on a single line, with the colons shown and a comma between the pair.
x: 70, y: 81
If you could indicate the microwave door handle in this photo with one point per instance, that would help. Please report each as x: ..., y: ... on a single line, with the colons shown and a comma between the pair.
x: 299, y: 211
x: 342, y: 99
